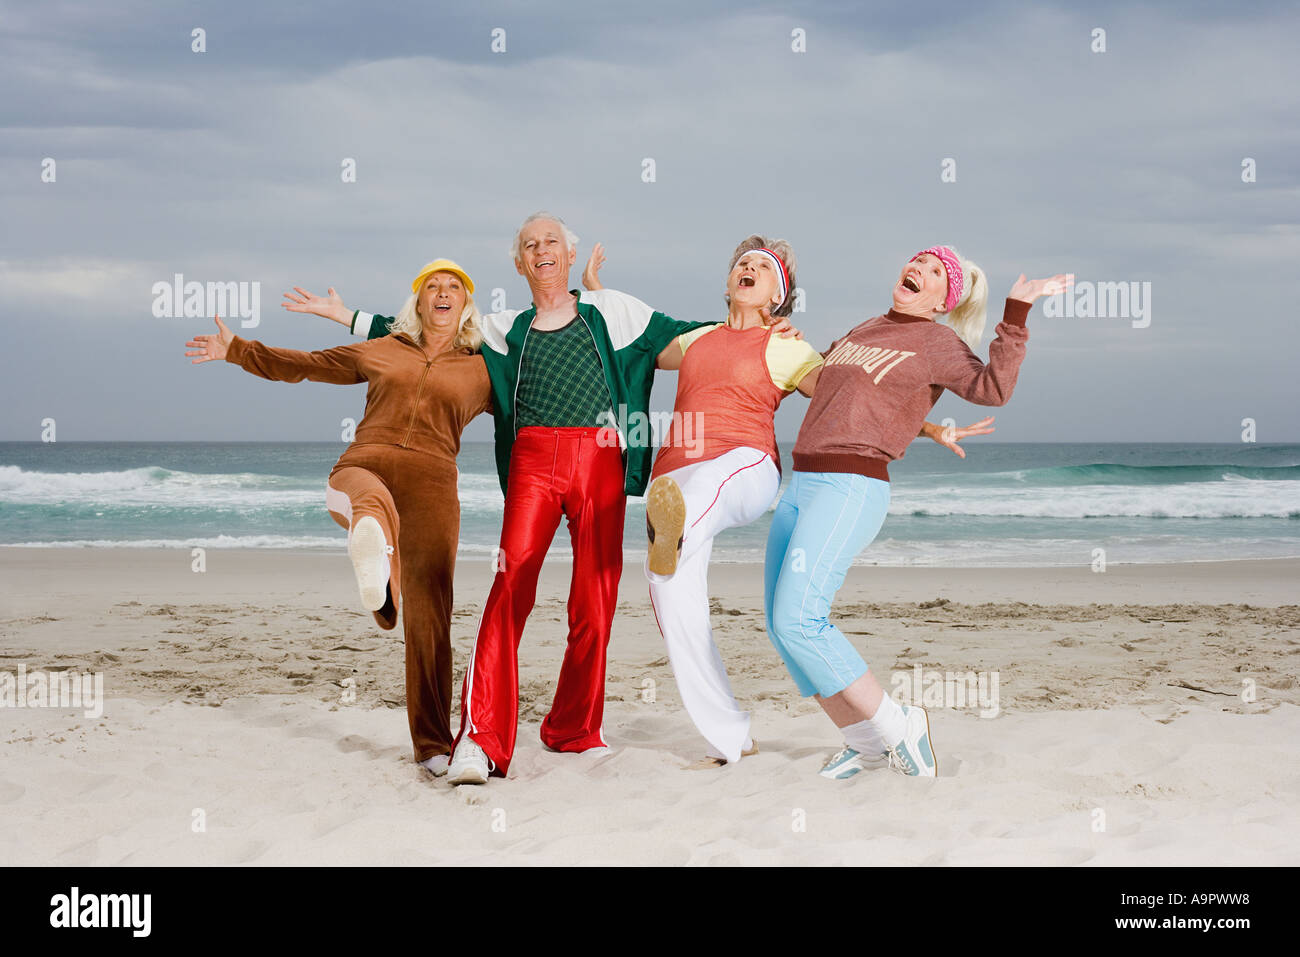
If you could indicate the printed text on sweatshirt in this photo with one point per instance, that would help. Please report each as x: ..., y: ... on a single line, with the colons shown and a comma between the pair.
x: 882, y: 379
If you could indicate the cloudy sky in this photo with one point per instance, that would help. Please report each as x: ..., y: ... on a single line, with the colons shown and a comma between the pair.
x: 225, y: 165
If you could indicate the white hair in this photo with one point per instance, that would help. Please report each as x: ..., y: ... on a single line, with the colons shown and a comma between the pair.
x: 785, y: 253
x: 967, y: 318
x: 569, y: 236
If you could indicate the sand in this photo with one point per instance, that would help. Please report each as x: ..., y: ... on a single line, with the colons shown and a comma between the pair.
x: 1145, y: 715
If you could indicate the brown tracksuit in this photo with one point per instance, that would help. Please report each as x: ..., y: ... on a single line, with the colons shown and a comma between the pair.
x: 401, y: 470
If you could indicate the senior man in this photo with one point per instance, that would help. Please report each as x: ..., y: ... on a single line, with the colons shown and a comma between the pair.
x: 568, y: 374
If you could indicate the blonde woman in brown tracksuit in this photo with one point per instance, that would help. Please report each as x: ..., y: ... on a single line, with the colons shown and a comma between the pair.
x: 394, y: 488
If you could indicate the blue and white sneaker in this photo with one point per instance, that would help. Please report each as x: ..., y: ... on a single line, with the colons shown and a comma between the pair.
x: 847, y: 762
x: 913, y: 755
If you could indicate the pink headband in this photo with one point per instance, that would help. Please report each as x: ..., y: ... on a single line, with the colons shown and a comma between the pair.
x: 782, y: 278
x: 955, y: 279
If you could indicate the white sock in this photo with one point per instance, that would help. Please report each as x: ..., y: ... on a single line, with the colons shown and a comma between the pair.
x: 864, y: 738
x: 890, y: 722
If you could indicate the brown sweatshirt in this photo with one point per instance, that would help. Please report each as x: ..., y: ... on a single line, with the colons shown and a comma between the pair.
x: 881, y: 380
x: 413, y: 401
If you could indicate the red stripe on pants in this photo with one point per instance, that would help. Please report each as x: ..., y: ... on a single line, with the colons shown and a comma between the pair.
x: 578, y: 474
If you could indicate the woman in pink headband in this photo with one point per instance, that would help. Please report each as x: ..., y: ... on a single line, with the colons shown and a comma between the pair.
x: 874, y: 389
x: 718, y: 468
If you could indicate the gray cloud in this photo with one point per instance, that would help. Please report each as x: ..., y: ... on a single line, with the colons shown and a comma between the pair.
x: 225, y: 166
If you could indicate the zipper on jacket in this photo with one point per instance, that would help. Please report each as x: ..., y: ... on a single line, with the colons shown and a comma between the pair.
x: 514, y: 411
x: 519, y: 370
x: 416, y: 405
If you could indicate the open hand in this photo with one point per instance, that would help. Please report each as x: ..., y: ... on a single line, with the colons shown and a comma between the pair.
x: 207, y: 348
x: 590, y: 279
x: 1027, y: 290
x: 950, y: 436
x: 781, y: 327
x: 329, y: 306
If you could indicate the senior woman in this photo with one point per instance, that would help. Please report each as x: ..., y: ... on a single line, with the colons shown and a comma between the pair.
x: 394, y: 489
x: 719, y: 468
x: 874, y: 389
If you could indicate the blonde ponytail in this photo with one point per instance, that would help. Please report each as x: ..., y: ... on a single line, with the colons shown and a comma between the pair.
x: 968, y: 316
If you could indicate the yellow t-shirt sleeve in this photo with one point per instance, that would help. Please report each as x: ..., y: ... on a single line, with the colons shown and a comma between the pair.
x: 789, y: 360
x: 686, y: 338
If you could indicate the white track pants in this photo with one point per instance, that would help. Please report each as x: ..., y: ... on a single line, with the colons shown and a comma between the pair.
x: 733, y: 489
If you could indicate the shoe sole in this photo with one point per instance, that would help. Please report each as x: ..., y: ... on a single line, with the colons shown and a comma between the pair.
x: 469, y: 776
x: 929, y: 740
x: 840, y: 775
x: 665, y: 516
x: 934, y: 773
x: 366, y: 549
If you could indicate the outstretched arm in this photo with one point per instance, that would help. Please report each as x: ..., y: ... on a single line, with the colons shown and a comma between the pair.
x: 959, y: 370
x: 367, y: 325
x: 338, y: 365
x: 950, y: 437
x: 331, y: 307
x: 947, y: 437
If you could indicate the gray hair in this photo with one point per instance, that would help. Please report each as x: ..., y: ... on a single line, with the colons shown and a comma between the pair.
x: 569, y: 236
x: 784, y: 252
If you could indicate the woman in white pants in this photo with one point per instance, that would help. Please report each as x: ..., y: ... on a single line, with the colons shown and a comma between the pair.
x: 719, y: 467
x: 702, y: 500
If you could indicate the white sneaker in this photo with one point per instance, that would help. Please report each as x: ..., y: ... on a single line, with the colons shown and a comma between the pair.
x: 369, y: 553
x: 469, y: 765
x: 436, y: 765
x: 913, y: 755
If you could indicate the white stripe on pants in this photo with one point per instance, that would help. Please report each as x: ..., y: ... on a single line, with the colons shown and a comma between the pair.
x: 733, y: 489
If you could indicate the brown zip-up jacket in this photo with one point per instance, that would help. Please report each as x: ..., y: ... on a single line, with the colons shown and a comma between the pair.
x: 413, y: 400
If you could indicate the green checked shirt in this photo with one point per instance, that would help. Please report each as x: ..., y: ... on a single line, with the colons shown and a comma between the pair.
x: 561, y: 383
x: 627, y: 337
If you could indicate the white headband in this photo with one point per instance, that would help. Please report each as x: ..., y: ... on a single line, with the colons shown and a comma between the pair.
x: 780, y: 269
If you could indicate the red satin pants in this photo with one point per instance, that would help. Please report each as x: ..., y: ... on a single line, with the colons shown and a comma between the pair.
x: 575, y: 473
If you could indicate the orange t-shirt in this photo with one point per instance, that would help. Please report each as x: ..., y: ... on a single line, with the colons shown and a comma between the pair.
x: 728, y: 389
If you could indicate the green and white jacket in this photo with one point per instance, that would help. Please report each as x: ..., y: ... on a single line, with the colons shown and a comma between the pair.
x: 629, y: 336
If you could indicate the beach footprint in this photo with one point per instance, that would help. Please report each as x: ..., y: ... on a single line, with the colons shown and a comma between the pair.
x: 10, y: 792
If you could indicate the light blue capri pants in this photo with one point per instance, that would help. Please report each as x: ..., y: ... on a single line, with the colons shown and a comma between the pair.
x: 822, y: 522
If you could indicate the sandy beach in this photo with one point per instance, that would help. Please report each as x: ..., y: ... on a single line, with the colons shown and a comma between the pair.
x: 1144, y: 715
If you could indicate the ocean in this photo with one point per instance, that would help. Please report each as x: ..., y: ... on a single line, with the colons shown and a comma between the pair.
x: 1005, y: 504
